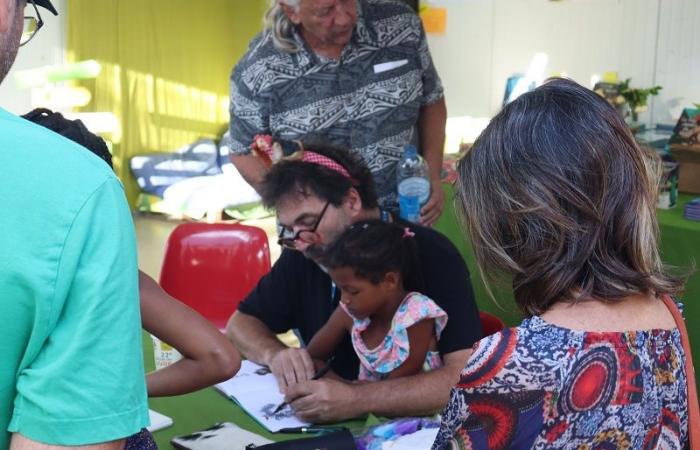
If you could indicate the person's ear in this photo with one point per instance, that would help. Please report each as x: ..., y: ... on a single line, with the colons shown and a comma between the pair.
x: 392, y: 280
x: 353, y: 201
x: 7, y: 15
x: 291, y: 12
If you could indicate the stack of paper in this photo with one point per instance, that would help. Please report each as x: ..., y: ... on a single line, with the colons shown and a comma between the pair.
x: 692, y: 209
x: 222, y: 436
x: 158, y: 421
x: 256, y: 390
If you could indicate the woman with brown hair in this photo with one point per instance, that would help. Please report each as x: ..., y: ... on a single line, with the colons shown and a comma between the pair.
x: 557, y: 195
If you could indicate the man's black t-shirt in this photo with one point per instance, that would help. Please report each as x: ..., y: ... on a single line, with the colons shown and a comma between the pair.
x: 298, y: 294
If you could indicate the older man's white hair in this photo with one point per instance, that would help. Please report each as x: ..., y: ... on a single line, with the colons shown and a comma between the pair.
x: 282, y: 29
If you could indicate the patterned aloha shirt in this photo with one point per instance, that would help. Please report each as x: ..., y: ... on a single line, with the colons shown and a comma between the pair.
x: 544, y: 387
x: 368, y: 100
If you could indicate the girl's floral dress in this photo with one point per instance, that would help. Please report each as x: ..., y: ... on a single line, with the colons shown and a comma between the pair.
x: 378, y: 362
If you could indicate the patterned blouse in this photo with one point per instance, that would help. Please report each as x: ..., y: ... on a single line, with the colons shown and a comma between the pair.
x: 545, y: 387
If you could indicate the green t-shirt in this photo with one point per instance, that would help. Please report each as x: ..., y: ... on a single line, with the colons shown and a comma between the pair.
x: 71, y: 364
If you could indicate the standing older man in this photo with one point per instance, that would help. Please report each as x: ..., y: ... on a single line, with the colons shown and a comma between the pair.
x: 71, y: 367
x: 356, y: 74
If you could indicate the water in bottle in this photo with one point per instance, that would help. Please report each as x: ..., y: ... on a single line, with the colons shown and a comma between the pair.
x: 413, y: 184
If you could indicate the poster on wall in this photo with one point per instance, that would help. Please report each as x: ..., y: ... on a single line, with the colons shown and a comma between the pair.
x: 434, y: 20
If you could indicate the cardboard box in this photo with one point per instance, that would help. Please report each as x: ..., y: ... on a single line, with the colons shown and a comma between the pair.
x: 688, y: 157
x: 685, y: 148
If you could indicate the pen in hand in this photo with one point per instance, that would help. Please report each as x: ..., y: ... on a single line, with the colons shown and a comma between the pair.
x: 321, y: 372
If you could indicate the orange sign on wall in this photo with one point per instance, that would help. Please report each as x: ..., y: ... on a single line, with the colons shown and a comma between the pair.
x: 434, y: 20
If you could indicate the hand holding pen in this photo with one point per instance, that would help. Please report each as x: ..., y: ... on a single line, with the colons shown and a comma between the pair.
x: 319, y: 374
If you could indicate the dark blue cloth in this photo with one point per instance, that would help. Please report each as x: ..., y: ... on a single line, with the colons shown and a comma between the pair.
x: 156, y: 172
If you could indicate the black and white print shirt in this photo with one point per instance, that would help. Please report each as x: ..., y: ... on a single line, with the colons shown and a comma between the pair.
x: 367, y: 101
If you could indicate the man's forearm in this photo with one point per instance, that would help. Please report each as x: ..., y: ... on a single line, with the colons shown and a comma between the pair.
x: 421, y: 394
x: 251, y: 169
x: 431, y: 126
x: 253, y: 338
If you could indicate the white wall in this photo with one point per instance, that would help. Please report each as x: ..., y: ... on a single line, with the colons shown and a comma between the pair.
x: 463, y: 56
x: 650, y: 41
x: 678, y: 58
x: 46, y: 48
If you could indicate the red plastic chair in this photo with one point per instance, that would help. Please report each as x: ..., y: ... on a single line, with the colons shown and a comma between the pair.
x: 212, y: 267
x: 490, y: 324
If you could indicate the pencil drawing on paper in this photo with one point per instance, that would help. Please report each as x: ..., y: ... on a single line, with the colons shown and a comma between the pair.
x: 268, y: 411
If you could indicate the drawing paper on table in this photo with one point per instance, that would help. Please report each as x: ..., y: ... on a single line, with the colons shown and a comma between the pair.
x: 256, y: 390
x: 158, y: 420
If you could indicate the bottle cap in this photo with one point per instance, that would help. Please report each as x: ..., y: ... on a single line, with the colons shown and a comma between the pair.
x: 410, y: 151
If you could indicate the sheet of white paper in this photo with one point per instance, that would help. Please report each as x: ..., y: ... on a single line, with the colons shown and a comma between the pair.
x: 223, y: 436
x: 421, y: 439
x: 256, y: 390
x: 158, y: 420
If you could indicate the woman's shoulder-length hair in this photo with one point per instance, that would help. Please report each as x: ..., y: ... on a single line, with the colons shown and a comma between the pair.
x: 557, y: 194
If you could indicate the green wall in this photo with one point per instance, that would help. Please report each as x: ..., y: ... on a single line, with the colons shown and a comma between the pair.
x: 165, y: 68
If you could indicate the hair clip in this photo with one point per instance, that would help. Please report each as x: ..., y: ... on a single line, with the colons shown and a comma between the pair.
x: 363, y: 226
x: 407, y: 233
x: 266, y: 149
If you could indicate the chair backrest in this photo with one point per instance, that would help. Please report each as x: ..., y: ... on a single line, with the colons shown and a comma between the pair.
x: 212, y: 267
x: 490, y: 324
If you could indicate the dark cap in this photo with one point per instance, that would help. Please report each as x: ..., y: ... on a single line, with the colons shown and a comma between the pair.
x: 46, y: 4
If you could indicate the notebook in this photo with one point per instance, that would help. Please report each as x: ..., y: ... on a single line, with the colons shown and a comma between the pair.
x: 158, y: 421
x: 255, y: 389
x: 222, y: 436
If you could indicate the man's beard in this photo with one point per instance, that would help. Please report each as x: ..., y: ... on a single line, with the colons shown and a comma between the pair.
x: 9, y: 43
x: 314, y: 252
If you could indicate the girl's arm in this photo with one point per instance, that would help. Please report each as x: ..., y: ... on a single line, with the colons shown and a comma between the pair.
x: 420, y: 337
x: 325, y: 341
x: 208, y: 357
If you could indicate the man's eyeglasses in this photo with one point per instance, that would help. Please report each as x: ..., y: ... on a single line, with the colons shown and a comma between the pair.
x: 309, y: 236
x: 32, y: 24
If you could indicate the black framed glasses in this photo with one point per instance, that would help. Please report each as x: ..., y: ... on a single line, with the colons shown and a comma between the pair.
x: 309, y: 235
x: 32, y: 24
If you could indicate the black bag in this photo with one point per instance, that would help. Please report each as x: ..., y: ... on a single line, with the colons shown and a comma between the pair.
x: 222, y: 436
x: 338, y: 440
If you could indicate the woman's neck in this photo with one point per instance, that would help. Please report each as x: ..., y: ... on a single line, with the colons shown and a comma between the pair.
x: 635, y: 312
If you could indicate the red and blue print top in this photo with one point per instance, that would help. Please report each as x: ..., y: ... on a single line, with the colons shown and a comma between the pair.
x: 545, y: 387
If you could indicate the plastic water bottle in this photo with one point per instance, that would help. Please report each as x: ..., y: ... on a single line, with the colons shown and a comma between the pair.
x: 164, y: 354
x: 413, y: 184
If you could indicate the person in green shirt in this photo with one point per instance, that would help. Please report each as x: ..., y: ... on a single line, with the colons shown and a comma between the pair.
x: 71, y: 370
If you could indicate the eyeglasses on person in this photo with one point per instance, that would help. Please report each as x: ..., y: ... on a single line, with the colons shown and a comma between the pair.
x: 32, y: 24
x: 310, y: 236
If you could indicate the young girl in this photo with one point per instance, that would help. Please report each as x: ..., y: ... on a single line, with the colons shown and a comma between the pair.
x: 394, y: 328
